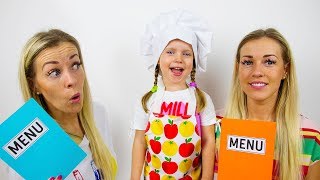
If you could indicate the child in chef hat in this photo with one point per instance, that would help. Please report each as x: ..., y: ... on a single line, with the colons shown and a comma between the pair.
x: 174, y: 122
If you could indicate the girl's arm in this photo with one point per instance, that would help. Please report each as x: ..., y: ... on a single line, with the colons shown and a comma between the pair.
x: 138, y: 154
x: 314, y: 171
x: 208, y: 145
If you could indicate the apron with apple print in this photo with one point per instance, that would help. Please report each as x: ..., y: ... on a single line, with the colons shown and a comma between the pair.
x: 172, y: 137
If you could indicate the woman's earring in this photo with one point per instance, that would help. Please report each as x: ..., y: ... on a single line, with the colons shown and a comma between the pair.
x: 38, y: 93
x: 285, y: 76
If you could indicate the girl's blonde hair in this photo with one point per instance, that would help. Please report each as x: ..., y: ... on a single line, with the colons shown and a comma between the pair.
x: 52, y: 38
x: 200, y: 97
x: 288, y: 139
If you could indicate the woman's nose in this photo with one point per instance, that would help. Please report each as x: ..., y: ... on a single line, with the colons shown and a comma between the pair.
x: 70, y: 79
x: 257, y: 70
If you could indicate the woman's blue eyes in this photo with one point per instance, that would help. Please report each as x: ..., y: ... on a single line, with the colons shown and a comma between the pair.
x: 76, y: 65
x: 56, y: 72
x: 267, y: 62
x: 246, y: 62
x: 270, y: 62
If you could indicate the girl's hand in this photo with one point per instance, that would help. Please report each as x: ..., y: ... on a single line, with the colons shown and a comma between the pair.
x: 57, y: 178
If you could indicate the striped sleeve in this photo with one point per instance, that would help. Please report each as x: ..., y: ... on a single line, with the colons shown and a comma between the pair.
x: 311, y: 146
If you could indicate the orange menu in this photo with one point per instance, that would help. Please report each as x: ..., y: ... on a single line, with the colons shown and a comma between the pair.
x: 246, y: 149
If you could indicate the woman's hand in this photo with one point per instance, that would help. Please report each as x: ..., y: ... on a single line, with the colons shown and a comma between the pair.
x: 57, y: 178
x: 313, y: 172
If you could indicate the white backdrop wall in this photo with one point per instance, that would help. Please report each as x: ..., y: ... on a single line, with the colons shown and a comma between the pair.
x: 109, y: 33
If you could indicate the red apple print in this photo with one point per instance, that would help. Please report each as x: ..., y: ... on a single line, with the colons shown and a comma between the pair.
x: 185, y: 116
x: 154, y: 175
x: 158, y: 115
x: 148, y: 156
x: 169, y: 167
x: 196, y: 160
x: 155, y: 145
x: 170, y: 130
x: 148, y: 127
x: 187, y: 148
x: 187, y: 177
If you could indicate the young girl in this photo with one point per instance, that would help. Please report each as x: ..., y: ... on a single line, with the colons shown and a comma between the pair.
x: 171, y: 141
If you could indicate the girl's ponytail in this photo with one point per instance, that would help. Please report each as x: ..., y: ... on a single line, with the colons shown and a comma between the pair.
x: 147, y: 96
x: 200, y: 97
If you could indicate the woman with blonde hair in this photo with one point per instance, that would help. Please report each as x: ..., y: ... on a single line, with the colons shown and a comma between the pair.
x: 264, y: 87
x: 52, y: 72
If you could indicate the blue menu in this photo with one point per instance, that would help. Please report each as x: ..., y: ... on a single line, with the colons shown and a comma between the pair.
x: 35, y: 146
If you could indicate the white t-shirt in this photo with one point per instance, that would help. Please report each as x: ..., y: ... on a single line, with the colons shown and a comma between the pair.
x: 86, y: 168
x: 140, y: 119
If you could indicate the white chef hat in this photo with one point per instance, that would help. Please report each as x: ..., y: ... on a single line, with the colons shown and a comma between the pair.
x: 177, y: 24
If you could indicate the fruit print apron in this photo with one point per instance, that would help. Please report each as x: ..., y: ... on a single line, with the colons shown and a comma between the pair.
x: 173, y: 141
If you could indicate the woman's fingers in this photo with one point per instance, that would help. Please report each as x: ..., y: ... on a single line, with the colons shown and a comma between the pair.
x: 58, y: 178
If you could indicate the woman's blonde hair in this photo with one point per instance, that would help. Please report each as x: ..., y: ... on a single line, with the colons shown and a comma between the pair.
x: 200, y: 97
x: 288, y: 139
x: 52, y: 38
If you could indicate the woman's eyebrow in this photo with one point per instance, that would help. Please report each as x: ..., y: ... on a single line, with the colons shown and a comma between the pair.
x: 50, y: 62
x: 248, y: 56
x: 74, y: 55
x: 268, y: 55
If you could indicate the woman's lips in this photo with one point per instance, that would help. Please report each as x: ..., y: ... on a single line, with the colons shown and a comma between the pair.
x: 258, y: 85
x: 75, y: 98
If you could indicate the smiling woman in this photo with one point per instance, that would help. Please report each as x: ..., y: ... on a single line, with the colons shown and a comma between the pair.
x: 261, y: 69
x: 52, y: 72
x: 264, y: 87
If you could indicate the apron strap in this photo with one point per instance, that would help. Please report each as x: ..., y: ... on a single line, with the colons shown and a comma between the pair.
x: 198, y: 118
x: 197, y: 114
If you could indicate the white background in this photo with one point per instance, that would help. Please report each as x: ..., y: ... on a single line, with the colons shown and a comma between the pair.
x: 109, y: 32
